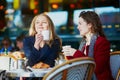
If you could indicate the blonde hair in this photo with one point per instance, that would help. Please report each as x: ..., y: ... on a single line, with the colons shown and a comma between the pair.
x: 51, y: 28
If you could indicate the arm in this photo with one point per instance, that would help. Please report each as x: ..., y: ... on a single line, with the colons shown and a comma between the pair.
x: 53, y: 53
x: 31, y: 53
x: 101, y: 55
x: 34, y: 56
x: 77, y: 54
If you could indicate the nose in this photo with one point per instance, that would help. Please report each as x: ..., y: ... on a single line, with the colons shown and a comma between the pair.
x: 40, y: 23
x: 78, y: 27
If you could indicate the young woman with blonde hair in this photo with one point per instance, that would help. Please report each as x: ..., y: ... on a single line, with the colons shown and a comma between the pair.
x: 37, y: 50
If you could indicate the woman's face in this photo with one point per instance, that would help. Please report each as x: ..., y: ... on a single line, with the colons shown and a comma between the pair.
x: 6, y: 44
x: 83, y: 27
x: 19, y: 44
x: 41, y: 24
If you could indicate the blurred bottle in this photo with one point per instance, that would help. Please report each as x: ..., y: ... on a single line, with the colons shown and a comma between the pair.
x: 6, y: 52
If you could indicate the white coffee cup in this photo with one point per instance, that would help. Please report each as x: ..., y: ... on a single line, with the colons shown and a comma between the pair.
x: 67, y: 46
x: 64, y: 48
x: 46, y: 35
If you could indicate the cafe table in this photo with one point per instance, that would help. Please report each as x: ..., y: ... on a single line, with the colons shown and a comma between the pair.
x: 27, y: 73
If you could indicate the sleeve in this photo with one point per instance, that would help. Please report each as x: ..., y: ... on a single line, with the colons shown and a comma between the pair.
x: 102, y: 55
x: 34, y: 56
x: 52, y: 53
x: 30, y: 52
x: 77, y: 54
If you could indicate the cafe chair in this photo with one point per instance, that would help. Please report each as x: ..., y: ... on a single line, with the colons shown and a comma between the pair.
x: 2, y: 74
x: 118, y: 75
x: 74, y: 69
x: 115, y: 63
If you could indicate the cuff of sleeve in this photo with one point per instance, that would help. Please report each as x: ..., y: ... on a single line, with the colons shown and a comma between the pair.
x: 78, y: 53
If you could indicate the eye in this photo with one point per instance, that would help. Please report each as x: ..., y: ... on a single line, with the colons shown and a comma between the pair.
x: 44, y: 22
x: 37, y: 22
x: 79, y: 23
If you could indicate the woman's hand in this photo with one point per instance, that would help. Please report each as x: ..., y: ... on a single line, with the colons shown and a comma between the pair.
x: 39, y: 42
x: 68, y: 51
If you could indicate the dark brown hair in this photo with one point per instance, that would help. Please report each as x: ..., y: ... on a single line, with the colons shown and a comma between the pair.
x: 6, y: 42
x: 20, y: 38
x: 93, y: 18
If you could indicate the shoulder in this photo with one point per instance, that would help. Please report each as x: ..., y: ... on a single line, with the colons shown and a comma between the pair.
x: 102, y: 41
x: 56, y: 41
x: 29, y: 39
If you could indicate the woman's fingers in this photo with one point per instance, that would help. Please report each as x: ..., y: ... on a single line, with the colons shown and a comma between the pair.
x: 68, y: 51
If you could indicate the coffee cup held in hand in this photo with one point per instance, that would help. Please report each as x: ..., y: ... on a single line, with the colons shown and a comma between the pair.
x: 68, y: 51
x: 46, y: 35
x: 64, y: 48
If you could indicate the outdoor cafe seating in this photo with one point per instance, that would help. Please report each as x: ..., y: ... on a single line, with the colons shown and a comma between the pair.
x: 75, y: 69
x: 115, y: 64
x: 79, y: 68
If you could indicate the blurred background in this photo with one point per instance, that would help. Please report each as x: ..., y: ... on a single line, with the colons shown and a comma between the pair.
x: 16, y: 16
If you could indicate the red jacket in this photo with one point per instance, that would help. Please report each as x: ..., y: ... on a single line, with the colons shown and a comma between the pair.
x: 101, y: 57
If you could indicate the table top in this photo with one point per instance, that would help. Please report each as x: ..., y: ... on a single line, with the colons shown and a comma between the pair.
x: 23, y: 73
